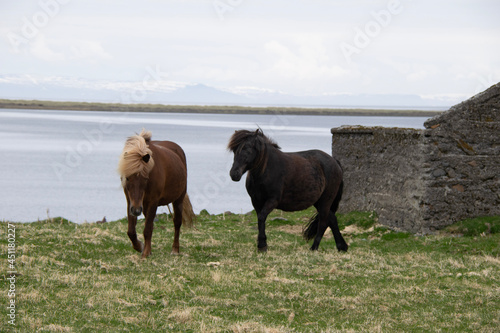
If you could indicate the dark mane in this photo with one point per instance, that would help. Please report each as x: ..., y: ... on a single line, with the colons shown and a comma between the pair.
x: 261, y: 143
x: 242, y: 136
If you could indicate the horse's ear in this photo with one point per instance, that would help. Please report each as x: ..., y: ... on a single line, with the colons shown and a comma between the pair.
x: 146, y: 158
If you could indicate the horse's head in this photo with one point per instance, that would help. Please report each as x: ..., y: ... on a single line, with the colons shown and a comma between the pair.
x: 244, y: 157
x: 250, y: 152
x: 135, y: 187
x: 135, y: 165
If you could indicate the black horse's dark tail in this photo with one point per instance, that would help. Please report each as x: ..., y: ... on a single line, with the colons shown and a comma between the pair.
x: 311, y: 228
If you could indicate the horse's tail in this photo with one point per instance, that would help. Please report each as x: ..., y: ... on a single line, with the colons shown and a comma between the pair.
x: 188, y: 215
x: 311, y: 228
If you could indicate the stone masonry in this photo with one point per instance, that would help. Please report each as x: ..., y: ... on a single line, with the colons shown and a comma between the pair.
x: 423, y: 180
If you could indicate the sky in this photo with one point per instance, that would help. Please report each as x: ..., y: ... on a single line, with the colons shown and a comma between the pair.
x: 432, y: 48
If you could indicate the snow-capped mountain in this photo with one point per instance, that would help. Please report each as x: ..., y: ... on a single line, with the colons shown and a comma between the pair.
x: 169, y: 92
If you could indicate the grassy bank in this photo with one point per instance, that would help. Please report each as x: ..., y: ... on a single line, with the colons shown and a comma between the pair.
x: 82, y: 106
x: 87, y: 278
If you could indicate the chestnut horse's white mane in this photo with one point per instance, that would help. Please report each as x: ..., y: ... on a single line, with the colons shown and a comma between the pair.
x: 132, y: 158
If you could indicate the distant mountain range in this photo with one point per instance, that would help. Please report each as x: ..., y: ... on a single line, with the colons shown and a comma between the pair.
x: 63, y: 89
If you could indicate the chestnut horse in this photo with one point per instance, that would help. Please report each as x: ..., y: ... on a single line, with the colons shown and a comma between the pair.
x: 154, y: 173
x: 290, y: 182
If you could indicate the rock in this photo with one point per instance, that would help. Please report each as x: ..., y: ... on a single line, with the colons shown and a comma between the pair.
x: 438, y: 173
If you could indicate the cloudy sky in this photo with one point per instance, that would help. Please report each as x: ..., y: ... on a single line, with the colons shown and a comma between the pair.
x: 425, y: 47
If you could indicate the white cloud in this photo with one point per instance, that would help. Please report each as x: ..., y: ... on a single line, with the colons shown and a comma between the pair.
x: 280, y: 46
x: 414, y: 72
x: 306, y: 61
x: 60, y: 51
x: 41, y: 49
x: 89, y: 50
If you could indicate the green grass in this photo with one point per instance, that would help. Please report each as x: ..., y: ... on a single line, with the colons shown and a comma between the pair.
x: 477, y: 226
x: 87, y: 278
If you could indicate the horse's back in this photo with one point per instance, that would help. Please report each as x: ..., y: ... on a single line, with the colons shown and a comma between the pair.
x: 330, y: 165
x: 172, y: 146
x: 327, y: 170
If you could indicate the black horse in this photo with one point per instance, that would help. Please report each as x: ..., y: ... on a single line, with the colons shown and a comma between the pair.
x: 290, y: 182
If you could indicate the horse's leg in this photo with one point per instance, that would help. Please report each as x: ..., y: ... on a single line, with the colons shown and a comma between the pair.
x: 339, y: 240
x: 149, y: 214
x: 323, y: 212
x: 261, y: 219
x: 177, y: 224
x: 132, y: 234
x: 333, y: 223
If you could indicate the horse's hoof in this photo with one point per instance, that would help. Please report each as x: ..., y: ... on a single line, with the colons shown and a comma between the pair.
x: 262, y: 249
x: 145, y: 255
x: 139, y: 248
x: 175, y: 253
x: 343, y: 247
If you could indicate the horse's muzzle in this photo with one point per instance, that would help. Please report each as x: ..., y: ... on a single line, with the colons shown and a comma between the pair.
x: 136, y: 211
x: 235, y: 175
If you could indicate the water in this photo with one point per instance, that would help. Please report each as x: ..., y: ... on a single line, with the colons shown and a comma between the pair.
x: 63, y: 163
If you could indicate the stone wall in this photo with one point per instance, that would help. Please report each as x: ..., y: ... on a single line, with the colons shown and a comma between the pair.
x: 422, y: 180
x: 382, y: 172
x: 462, y: 169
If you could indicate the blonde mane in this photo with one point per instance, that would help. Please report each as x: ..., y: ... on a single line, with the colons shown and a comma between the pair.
x: 131, y: 160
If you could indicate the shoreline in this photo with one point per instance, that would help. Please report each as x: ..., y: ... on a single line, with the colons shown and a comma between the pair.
x: 214, y: 109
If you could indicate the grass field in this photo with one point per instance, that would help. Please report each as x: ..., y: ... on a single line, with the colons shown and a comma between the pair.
x: 87, y: 278
x: 83, y: 106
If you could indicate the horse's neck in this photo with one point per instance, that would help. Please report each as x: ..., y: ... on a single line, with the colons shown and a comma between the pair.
x: 272, y: 160
x: 274, y: 154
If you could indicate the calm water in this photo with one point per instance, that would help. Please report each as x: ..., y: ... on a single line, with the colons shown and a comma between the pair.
x: 63, y: 163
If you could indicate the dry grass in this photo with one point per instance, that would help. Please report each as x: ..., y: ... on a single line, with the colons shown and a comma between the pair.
x: 88, y: 278
x: 83, y: 106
